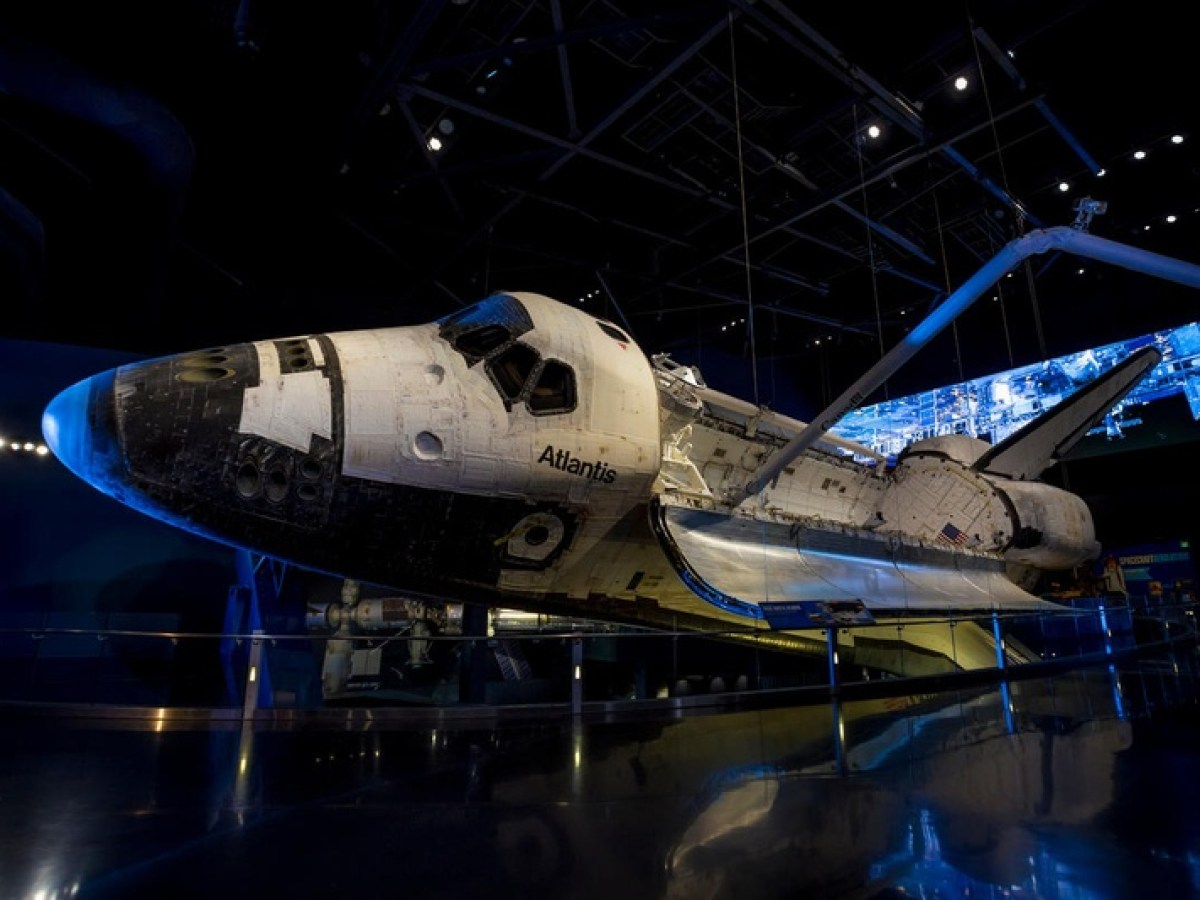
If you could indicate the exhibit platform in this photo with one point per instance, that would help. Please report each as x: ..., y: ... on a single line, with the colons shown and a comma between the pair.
x: 1076, y: 783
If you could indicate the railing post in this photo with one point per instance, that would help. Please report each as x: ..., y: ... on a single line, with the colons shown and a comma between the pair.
x: 834, y: 688
x: 253, y: 676
x: 576, y: 674
x: 839, y: 735
x: 998, y: 636
x: 1104, y: 629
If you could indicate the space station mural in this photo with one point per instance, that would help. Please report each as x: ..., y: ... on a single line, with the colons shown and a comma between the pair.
x: 995, y: 406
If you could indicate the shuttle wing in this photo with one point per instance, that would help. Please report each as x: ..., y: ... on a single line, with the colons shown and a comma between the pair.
x: 763, y: 569
x: 1025, y: 453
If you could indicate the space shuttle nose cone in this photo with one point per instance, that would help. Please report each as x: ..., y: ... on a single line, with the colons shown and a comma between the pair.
x: 64, y: 426
x: 75, y: 428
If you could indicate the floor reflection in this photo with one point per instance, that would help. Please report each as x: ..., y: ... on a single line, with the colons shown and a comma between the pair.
x: 1078, y: 786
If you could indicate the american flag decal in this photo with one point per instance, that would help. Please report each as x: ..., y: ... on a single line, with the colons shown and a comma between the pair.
x: 951, y: 535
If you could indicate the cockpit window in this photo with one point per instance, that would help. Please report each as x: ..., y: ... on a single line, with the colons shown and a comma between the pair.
x: 479, y: 342
x: 512, y: 369
x: 490, y: 331
x: 614, y: 332
x: 554, y: 390
x: 484, y: 327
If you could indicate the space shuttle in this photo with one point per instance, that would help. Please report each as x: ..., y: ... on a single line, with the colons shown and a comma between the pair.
x: 521, y: 453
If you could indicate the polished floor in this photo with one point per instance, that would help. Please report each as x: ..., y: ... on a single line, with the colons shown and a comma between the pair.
x: 1084, y: 785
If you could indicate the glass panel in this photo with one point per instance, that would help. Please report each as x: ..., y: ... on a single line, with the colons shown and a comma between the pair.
x: 512, y: 369
x: 479, y: 342
x: 555, y: 389
x: 614, y: 332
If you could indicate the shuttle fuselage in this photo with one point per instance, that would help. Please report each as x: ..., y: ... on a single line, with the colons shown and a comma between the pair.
x: 524, y: 453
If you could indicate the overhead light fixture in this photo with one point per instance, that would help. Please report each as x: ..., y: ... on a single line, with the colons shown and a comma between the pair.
x: 1177, y: 139
x: 1170, y: 218
x: 438, y: 138
x: 1064, y: 186
x: 874, y: 131
x: 1100, y: 173
x: 961, y: 83
x: 1139, y: 154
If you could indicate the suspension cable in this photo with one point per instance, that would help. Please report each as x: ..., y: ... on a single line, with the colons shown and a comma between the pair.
x: 862, y: 180
x: 1004, y: 316
x: 737, y: 121
x: 1018, y: 215
x: 941, y: 234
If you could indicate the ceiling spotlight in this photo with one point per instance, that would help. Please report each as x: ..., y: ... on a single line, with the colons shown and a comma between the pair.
x: 1100, y: 173
x: 446, y: 126
x: 1064, y: 186
x: 1177, y: 139
x: 961, y: 83
x: 434, y: 143
x: 1170, y: 218
x: 1139, y: 154
x: 874, y: 131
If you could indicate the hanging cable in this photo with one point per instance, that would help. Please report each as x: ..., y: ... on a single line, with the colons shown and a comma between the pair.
x: 862, y: 180
x: 1037, y: 314
x: 487, y: 264
x: 737, y: 121
x: 1003, y: 314
x: 1018, y: 213
x: 937, y: 214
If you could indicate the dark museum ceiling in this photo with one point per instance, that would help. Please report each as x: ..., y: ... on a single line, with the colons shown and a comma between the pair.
x: 175, y: 175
